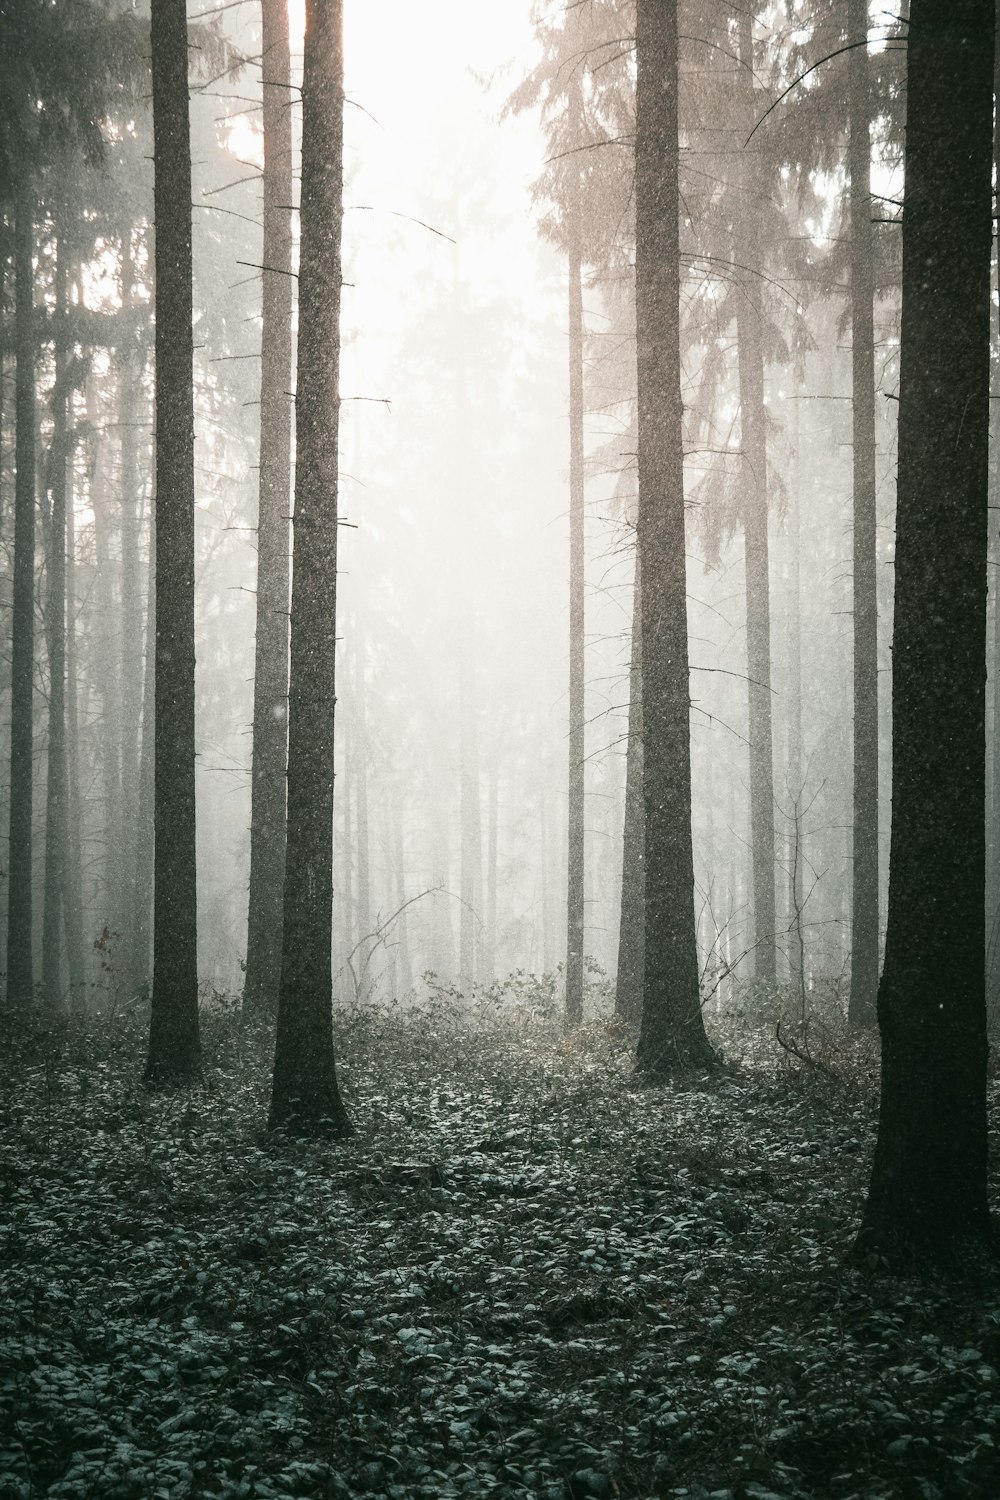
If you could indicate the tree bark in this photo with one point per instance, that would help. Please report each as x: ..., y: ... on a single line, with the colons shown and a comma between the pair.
x: 105, y: 654
x: 628, y: 988
x: 174, y: 1046
x: 753, y: 423
x: 270, y: 700
x: 927, y: 1202
x: 672, y: 1032
x: 130, y: 371
x: 796, y: 846
x: 20, y: 968
x: 56, y: 789
x: 864, y: 908
x: 305, y: 1098
x: 576, y: 836
x: 72, y: 893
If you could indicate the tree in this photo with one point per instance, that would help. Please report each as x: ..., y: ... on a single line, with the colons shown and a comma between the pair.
x: 576, y: 838
x: 270, y: 695
x: 305, y: 1098
x: 20, y: 969
x: 628, y: 985
x: 174, y: 1046
x: 864, y: 911
x: 927, y: 1199
x: 753, y: 420
x: 672, y: 1030
x: 57, y: 910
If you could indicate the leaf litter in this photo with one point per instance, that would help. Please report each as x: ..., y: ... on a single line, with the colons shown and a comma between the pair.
x: 525, y: 1275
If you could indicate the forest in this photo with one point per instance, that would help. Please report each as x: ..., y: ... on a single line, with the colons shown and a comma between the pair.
x: 499, y: 749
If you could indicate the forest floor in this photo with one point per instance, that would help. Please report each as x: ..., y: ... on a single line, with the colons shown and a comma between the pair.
x: 525, y: 1275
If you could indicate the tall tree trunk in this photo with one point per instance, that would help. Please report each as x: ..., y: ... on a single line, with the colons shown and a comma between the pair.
x: 576, y: 837
x: 796, y: 848
x: 72, y: 894
x: 993, y: 774
x: 3, y: 371
x: 927, y: 1200
x: 364, y: 953
x: 345, y: 893
x: 672, y: 1031
x: 174, y: 1046
x: 56, y: 791
x: 20, y: 968
x: 130, y: 361
x: 864, y: 908
x: 404, y: 967
x: 470, y: 844
x: 270, y: 693
x: 628, y: 989
x: 305, y: 1098
x: 492, y: 799
x: 142, y: 907
x: 106, y: 654
x: 753, y: 423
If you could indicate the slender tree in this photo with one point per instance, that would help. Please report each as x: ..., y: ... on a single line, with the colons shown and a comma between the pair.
x: 174, y: 1047
x: 628, y: 988
x: 20, y: 969
x: 576, y: 837
x: 927, y: 1200
x: 270, y: 700
x: 672, y: 1031
x: 57, y: 784
x: 753, y: 427
x: 864, y: 909
x: 305, y: 1097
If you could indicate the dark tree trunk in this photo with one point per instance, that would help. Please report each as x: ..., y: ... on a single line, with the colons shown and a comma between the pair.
x: 993, y: 771
x: 864, y: 910
x: 576, y: 837
x: 927, y: 1200
x: 270, y: 694
x: 305, y: 1097
x: 753, y: 426
x: 20, y: 968
x: 174, y: 1047
x: 672, y: 1032
x: 628, y: 988
x: 57, y: 790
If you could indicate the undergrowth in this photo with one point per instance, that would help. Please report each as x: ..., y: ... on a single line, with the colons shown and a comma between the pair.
x: 526, y: 1275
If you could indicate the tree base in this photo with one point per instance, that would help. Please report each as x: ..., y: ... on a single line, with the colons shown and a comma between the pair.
x: 947, y: 1255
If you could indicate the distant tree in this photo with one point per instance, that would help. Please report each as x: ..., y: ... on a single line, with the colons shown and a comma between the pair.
x: 628, y: 985
x: 270, y: 700
x: 174, y: 1046
x: 305, y: 1097
x: 57, y: 911
x: 753, y: 428
x: 927, y: 1201
x: 576, y: 831
x: 672, y: 1031
x: 864, y: 914
x: 20, y: 968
